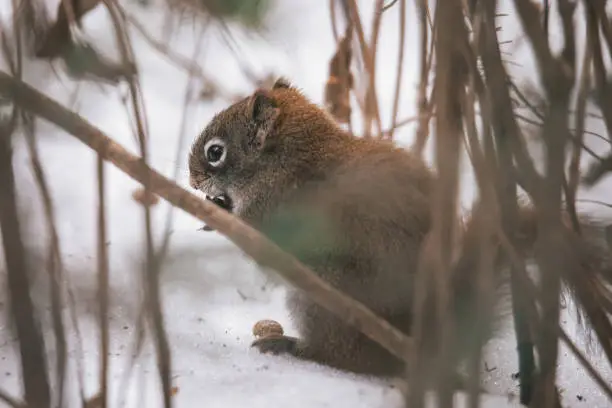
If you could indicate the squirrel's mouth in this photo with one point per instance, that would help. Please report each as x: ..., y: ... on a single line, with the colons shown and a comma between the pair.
x: 222, y: 200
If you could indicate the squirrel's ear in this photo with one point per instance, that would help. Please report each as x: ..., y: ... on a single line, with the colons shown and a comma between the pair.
x: 264, y: 113
x: 281, y: 83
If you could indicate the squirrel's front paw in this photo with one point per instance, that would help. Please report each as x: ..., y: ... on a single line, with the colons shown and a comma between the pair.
x: 276, y: 344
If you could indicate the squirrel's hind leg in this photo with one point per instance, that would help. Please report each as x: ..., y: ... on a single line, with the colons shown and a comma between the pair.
x: 277, y: 344
x: 353, y: 353
x: 328, y: 340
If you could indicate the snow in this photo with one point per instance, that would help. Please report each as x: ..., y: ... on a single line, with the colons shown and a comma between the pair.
x: 212, y: 294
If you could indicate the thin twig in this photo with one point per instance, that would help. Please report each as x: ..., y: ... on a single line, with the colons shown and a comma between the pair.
x: 423, y: 105
x: 102, y: 284
x: 400, y: 67
x: 388, y: 6
x: 10, y: 401
x: 369, y: 62
x: 586, y: 200
x: 371, y: 89
x: 189, y: 65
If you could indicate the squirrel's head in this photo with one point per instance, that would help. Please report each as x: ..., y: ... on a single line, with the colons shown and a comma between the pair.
x: 246, y: 138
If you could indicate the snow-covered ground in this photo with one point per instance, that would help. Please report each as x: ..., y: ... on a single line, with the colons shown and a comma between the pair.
x: 212, y: 294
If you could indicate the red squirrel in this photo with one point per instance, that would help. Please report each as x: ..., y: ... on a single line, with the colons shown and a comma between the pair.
x: 354, y: 210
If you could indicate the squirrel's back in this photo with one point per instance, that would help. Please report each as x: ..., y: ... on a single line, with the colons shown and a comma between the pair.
x: 367, y: 217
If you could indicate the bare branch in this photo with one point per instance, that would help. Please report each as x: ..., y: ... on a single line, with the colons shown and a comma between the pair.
x: 31, y: 345
x: 54, y: 262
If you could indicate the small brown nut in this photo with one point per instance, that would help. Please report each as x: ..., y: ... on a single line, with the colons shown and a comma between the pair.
x: 148, y: 200
x: 265, y: 328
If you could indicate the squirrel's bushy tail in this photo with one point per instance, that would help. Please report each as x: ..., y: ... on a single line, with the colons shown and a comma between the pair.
x: 588, y: 278
x: 585, y: 270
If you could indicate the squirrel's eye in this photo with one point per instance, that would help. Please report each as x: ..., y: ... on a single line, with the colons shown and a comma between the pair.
x: 215, y: 152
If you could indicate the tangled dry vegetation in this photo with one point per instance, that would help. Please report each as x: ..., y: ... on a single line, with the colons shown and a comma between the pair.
x: 465, y: 92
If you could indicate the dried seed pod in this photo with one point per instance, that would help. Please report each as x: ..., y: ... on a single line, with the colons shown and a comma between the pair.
x: 340, y: 81
x: 265, y: 328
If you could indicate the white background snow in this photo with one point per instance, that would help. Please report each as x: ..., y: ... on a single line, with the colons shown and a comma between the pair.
x: 212, y: 294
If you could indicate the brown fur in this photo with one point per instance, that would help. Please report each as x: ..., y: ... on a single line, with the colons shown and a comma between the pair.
x: 355, y: 211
